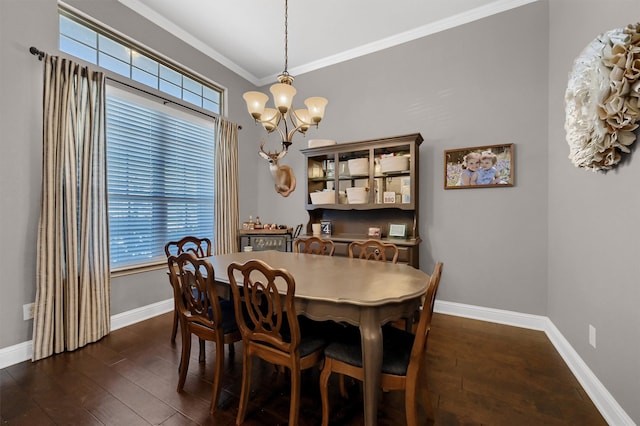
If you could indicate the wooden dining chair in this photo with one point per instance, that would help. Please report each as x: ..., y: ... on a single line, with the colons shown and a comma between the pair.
x: 200, y: 247
x: 374, y: 250
x: 403, y: 355
x: 314, y: 245
x: 270, y: 328
x: 198, y: 305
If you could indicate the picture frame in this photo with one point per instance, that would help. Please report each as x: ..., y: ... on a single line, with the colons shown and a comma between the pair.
x: 497, y: 171
x: 397, y: 230
x: 374, y: 232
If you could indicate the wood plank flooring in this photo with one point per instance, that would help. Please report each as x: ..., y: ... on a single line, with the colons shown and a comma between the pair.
x: 478, y: 373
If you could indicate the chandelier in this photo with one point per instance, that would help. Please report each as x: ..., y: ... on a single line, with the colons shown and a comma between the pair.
x: 293, y: 120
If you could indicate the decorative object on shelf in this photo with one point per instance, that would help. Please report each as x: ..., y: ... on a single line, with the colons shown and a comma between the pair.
x: 397, y: 230
x: 357, y: 195
x: 283, y: 177
x: 358, y: 167
x: 315, y: 143
x: 389, y: 197
x: 479, y: 167
x: 325, y: 227
x: 283, y: 92
x: 394, y: 163
x: 323, y: 197
x: 374, y: 232
x: 602, y: 99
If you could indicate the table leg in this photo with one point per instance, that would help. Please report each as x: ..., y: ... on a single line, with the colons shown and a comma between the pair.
x: 371, y: 332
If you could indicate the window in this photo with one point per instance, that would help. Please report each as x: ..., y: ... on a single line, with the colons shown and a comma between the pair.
x: 95, y: 45
x: 160, y: 177
x: 160, y: 173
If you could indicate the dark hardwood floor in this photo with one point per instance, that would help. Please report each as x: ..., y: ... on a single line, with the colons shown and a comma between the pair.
x: 478, y: 373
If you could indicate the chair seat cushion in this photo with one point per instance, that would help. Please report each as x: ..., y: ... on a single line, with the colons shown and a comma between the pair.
x: 397, y: 346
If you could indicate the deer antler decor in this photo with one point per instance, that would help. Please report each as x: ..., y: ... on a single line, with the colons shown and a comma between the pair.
x: 283, y: 178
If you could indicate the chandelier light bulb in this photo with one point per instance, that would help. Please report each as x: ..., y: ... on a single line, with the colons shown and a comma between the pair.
x: 316, y: 106
x: 255, y: 103
x: 270, y: 119
x: 282, y: 96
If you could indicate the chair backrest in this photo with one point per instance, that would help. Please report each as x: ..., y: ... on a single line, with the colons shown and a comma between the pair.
x: 314, y: 245
x: 194, y: 290
x: 264, y: 302
x: 424, y: 324
x: 373, y: 250
x: 200, y: 247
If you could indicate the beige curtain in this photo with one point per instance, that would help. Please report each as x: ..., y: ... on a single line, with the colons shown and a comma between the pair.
x: 226, y: 187
x: 72, y: 295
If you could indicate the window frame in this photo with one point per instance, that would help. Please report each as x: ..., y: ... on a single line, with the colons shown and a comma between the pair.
x: 140, y: 88
x: 171, y: 66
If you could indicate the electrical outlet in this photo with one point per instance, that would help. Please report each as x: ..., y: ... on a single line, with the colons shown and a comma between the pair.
x: 592, y: 335
x: 27, y: 311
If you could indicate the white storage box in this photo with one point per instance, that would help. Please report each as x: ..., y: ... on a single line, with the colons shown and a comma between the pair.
x: 394, y: 164
x: 324, y: 197
x: 315, y: 143
x: 358, y: 195
x: 359, y: 167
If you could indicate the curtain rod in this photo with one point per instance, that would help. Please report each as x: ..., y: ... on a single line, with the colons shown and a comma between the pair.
x: 40, y: 54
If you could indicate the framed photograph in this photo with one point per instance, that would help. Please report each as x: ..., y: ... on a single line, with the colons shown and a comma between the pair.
x: 374, y: 232
x: 489, y: 166
x: 397, y: 230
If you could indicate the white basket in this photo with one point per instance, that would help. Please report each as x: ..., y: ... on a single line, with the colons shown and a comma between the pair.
x: 359, y: 167
x: 357, y: 195
x: 316, y: 143
x: 324, y: 197
x: 394, y: 164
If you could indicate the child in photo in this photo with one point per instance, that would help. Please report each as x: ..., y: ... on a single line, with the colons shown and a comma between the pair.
x: 470, y: 164
x: 487, y: 173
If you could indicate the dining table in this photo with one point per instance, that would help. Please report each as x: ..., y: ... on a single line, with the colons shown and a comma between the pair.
x: 361, y: 292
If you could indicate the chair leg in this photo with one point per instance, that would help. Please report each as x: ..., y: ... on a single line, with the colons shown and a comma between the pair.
x: 324, y: 390
x: 410, y: 407
x: 294, y: 407
x: 201, y: 356
x: 246, y: 387
x: 343, y: 387
x: 174, y: 330
x: 216, y: 375
x: 184, y: 361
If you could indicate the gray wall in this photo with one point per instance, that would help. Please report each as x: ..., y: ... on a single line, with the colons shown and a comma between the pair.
x: 35, y: 23
x: 479, y: 84
x: 499, y: 80
x: 593, y: 221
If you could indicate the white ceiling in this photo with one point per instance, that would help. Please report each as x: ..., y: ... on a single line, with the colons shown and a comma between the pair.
x: 247, y: 36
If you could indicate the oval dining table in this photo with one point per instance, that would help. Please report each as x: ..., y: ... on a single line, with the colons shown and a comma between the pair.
x: 364, y: 293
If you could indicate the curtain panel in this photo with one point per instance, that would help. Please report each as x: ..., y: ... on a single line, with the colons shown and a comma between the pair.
x: 226, y: 188
x: 72, y: 305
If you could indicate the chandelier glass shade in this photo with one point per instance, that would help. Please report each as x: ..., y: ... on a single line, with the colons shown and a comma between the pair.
x: 283, y: 118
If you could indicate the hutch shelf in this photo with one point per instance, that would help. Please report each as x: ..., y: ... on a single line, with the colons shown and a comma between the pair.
x: 360, y: 187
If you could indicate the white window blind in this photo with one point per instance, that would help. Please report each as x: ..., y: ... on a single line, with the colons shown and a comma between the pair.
x: 160, y: 177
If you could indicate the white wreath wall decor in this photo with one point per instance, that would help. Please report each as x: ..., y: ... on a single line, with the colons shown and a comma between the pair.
x: 602, y: 99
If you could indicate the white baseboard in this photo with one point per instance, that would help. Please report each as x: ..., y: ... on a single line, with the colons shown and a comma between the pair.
x: 22, y: 351
x: 140, y: 314
x: 15, y: 354
x: 602, y: 399
x: 609, y: 408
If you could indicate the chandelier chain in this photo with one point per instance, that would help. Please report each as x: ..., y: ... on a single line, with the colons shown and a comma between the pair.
x: 286, y: 36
